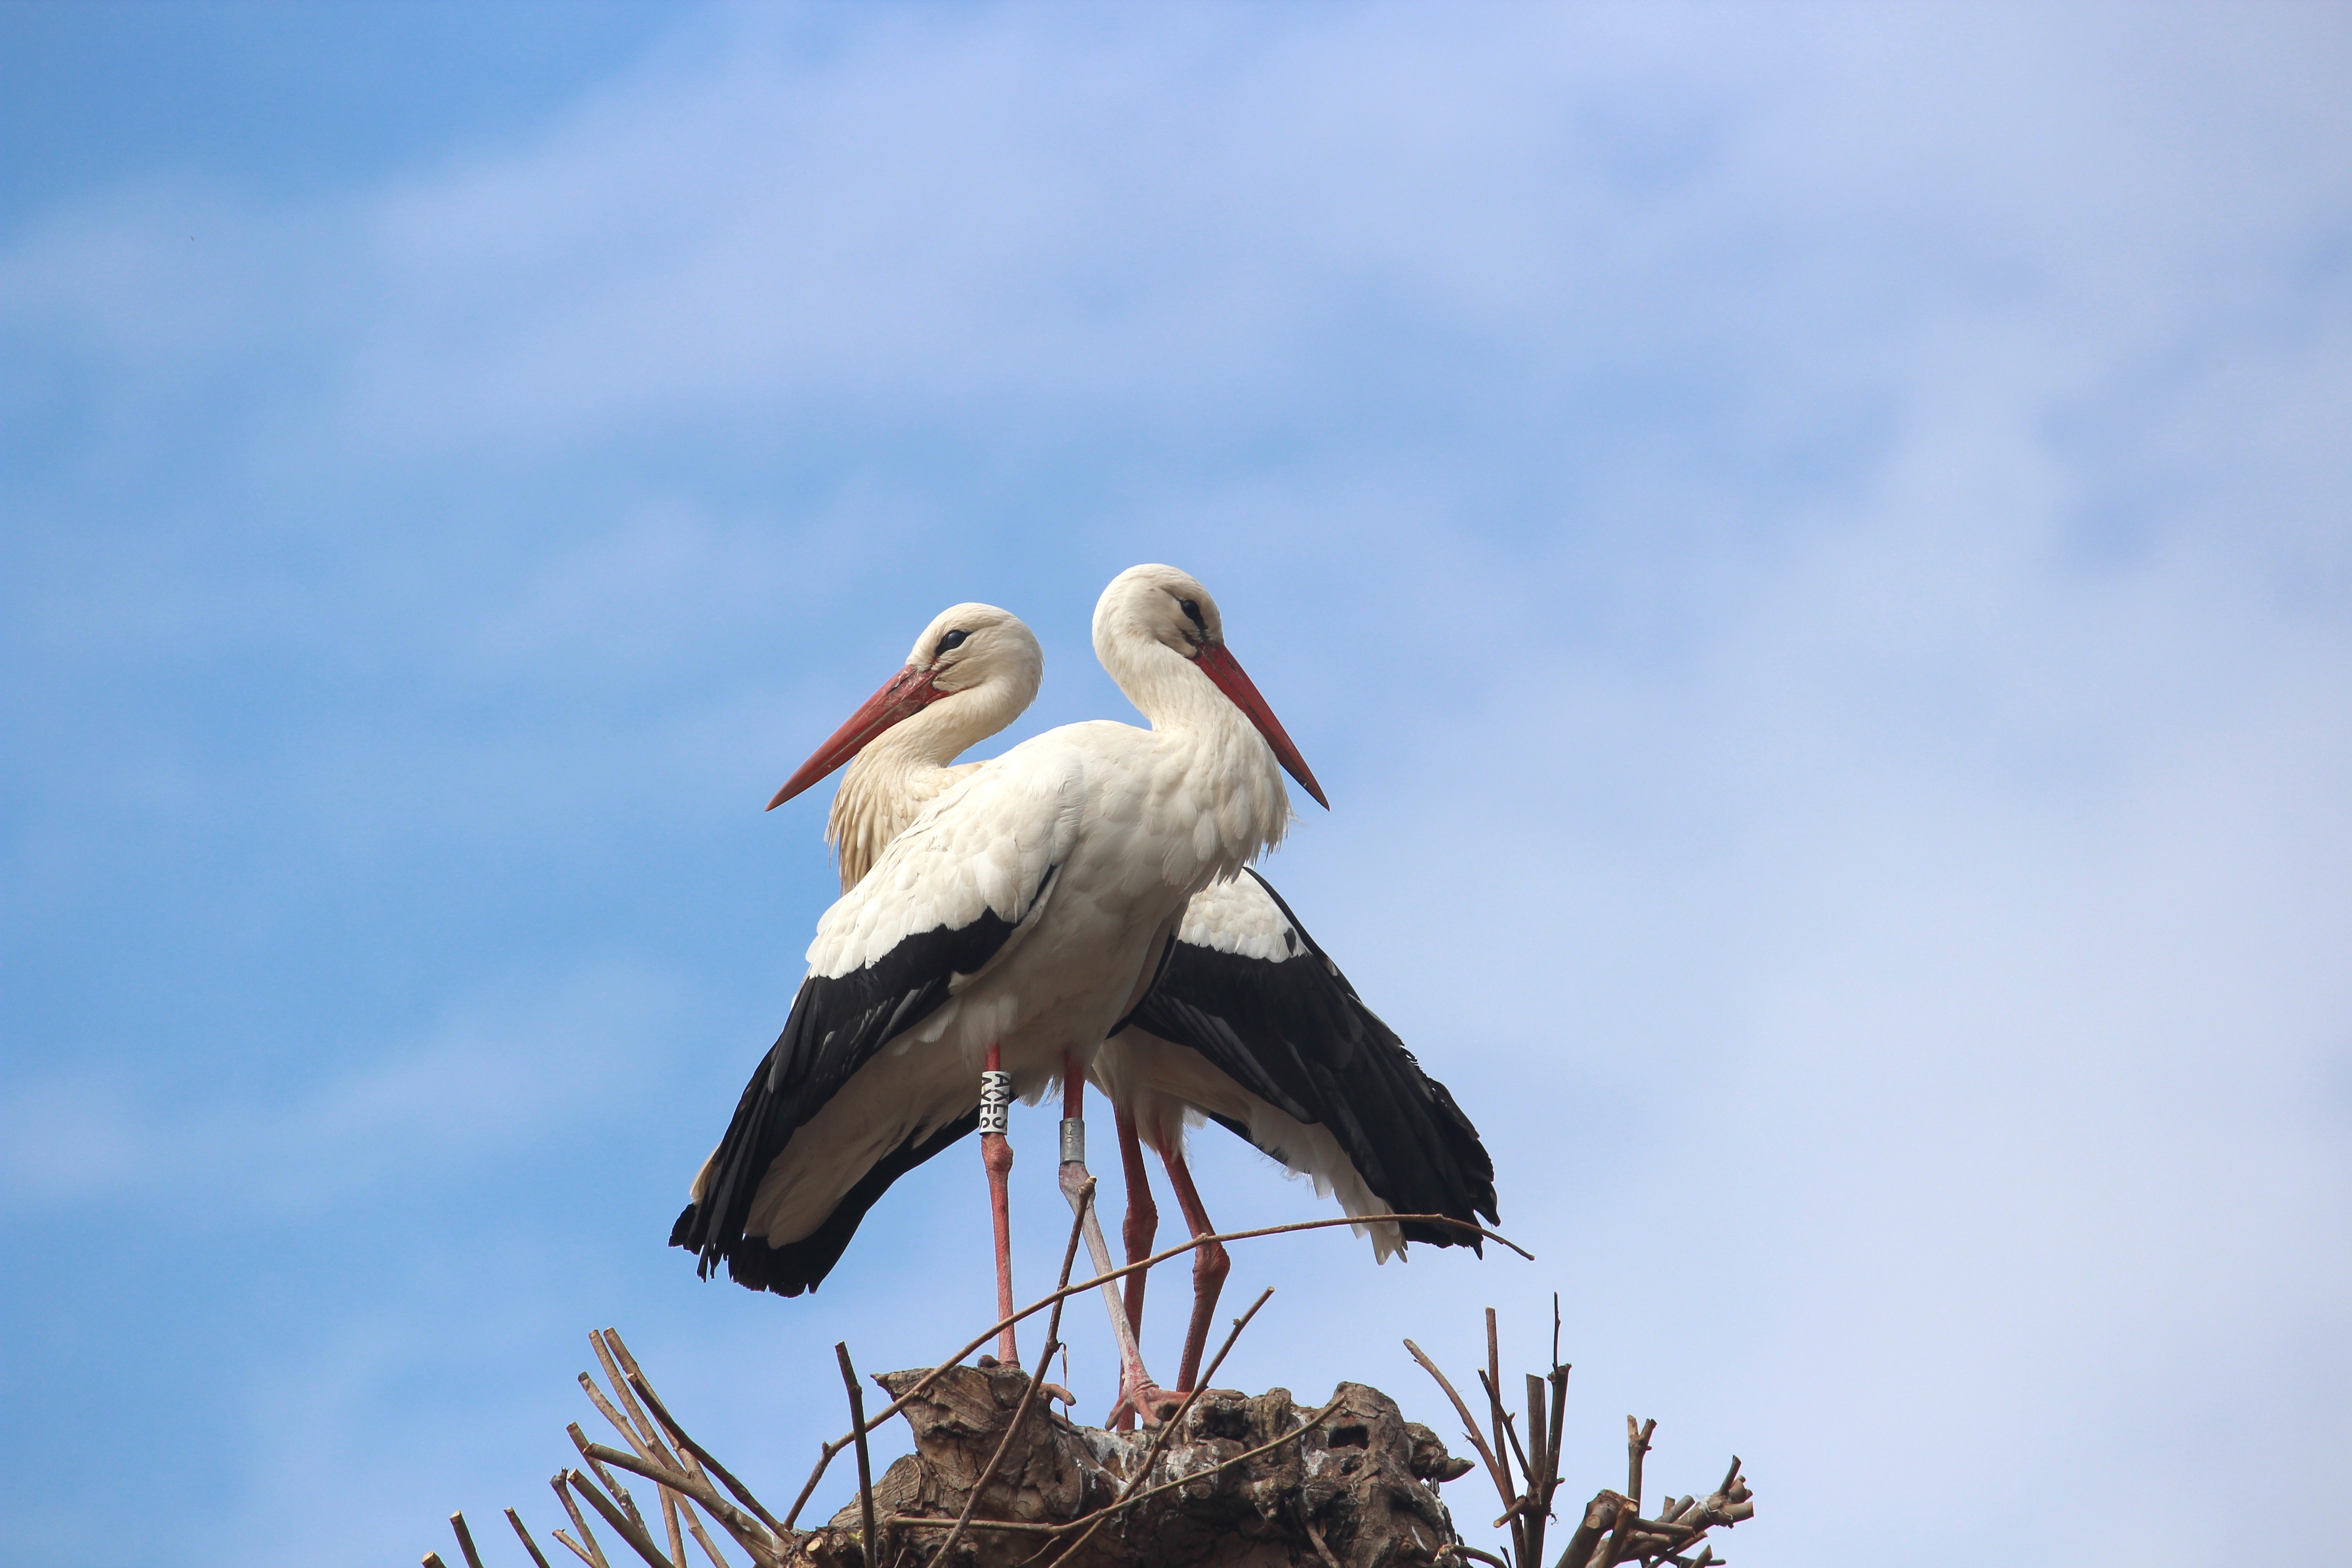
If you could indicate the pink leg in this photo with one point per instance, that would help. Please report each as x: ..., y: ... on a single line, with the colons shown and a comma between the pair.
x: 1142, y: 1224
x: 1143, y: 1216
x: 996, y: 1157
x: 1210, y: 1265
x: 1137, y: 1391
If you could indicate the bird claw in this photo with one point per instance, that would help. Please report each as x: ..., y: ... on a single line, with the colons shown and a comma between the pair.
x: 1147, y: 1401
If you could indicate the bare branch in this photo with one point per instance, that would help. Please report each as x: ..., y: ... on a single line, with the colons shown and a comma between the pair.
x: 1495, y: 1470
x: 1637, y: 1443
x: 688, y: 1445
x: 593, y: 1553
x: 466, y: 1541
x: 625, y: 1524
x: 527, y: 1543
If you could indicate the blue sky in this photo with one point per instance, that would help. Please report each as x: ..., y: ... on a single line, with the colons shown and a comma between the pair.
x: 1807, y: 546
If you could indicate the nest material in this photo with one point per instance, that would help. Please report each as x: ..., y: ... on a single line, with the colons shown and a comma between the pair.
x: 1245, y: 1481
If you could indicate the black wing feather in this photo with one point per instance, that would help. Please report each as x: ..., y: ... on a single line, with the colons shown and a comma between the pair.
x: 835, y: 1028
x: 1293, y: 1032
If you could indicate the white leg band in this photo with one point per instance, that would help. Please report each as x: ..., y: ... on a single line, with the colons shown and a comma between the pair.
x: 995, y: 1102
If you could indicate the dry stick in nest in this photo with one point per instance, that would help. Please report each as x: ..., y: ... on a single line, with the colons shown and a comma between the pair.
x: 1494, y: 1471
x: 620, y: 1366
x: 466, y: 1541
x: 1173, y: 1425
x: 826, y: 1451
x: 527, y: 1543
x: 628, y: 1503
x: 687, y: 1445
x: 766, y: 1544
x: 1020, y: 1413
x: 629, y: 1527
x: 1637, y: 1443
x: 868, y: 1545
x: 639, y: 1432
x: 764, y: 1548
x: 592, y: 1554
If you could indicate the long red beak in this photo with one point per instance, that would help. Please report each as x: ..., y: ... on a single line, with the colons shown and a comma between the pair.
x: 904, y: 694
x: 1221, y: 666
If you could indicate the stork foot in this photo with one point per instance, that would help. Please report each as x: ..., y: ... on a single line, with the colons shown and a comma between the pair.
x: 1140, y: 1396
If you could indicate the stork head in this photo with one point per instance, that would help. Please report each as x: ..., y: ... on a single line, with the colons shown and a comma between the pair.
x: 982, y: 656
x: 1150, y: 608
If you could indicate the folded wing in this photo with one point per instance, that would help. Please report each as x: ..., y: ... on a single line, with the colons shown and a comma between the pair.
x: 1247, y: 988
x: 833, y: 1116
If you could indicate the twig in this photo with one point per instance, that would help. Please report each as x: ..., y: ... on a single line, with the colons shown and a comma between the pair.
x: 1493, y: 1469
x: 677, y: 1434
x: 1509, y: 1429
x: 1599, y: 1517
x: 748, y: 1533
x: 869, y: 1545
x: 1495, y: 1387
x: 433, y: 1559
x: 626, y: 1383
x: 640, y: 1425
x: 629, y: 1529
x: 1538, y: 1496
x: 694, y: 1525
x: 1628, y: 1513
x: 1637, y: 1443
x: 466, y: 1541
x: 1466, y: 1549
x: 595, y: 1553
x: 639, y: 1432
x: 574, y: 1546
x: 527, y: 1543
x: 1559, y: 1381
x: 826, y: 1451
x: 1028, y: 1394
x: 628, y: 1503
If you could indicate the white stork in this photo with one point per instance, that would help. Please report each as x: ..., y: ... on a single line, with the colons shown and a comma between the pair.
x: 1249, y: 1022
x: 995, y: 942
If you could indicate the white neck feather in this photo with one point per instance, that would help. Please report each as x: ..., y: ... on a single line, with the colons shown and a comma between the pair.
x: 1227, y: 764
x: 905, y: 768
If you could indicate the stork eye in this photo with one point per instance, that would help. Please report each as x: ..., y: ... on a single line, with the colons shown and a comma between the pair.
x: 947, y: 641
x: 1192, y: 613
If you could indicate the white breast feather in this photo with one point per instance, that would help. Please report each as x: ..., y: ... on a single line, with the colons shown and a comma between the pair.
x: 985, y: 844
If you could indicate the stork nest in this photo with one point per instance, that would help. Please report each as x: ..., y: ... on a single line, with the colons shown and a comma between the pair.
x: 998, y: 1479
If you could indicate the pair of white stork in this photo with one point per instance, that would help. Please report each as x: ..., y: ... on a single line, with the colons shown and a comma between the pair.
x: 1078, y: 909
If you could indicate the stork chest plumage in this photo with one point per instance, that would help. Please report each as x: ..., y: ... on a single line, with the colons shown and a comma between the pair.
x: 1089, y: 842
